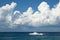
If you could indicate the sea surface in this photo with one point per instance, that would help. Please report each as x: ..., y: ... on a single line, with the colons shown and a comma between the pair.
x: 26, y: 36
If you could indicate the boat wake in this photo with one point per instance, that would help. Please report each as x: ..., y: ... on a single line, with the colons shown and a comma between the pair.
x: 35, y: 33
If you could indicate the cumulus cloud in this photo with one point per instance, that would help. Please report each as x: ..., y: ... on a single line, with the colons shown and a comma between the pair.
x: 6, y: 13
x: 43, y: 16
x: 7, y: 10
x: 43, y: 7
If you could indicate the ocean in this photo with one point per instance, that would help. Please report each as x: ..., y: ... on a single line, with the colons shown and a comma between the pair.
x: 26, y: 36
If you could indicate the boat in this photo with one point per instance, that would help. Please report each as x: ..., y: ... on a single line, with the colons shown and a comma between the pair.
x: 35, y: 33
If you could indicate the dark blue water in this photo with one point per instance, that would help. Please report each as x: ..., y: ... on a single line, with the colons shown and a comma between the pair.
x: 26, y: 36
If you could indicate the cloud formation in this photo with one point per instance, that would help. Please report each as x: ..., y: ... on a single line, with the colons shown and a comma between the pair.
x: 6, y: 14
x: 42, y: 17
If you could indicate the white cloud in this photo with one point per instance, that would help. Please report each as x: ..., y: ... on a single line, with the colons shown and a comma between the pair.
x: 43, y: 7
x: 7, y: 9
x: 8, y: 18
x: 6, y: 13
x: 15, y: 12
x: 44, y: 15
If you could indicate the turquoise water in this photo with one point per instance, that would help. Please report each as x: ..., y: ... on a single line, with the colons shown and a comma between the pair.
x: 26, y: 36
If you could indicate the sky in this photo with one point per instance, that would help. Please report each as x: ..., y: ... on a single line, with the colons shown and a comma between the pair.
x: 29, y: 15
x: 22, y: 5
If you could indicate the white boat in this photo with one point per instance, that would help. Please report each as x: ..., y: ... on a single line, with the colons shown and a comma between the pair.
x: 35, y: 33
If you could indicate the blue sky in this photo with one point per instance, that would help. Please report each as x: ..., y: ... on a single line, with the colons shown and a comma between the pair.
x: 22, y: 5
x: 29, y: 15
